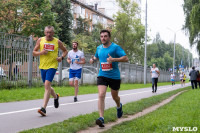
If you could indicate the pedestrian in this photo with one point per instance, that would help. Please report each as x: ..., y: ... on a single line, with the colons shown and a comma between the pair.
x: 109, y: 54
x: 155, y: 73
x: 184, y: 78
x: 181, y: 76
x: 198, y: 78
x: 48, y: 46
x: 173, y: 76
x: 76, y: 60
x: 193, y: 77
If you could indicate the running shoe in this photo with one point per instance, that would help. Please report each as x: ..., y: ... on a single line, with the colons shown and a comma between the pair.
x: 119, y: 111
x: 42, y: 111
x: 75, y: 99
x: 56, y: 102
x: 100, y: 122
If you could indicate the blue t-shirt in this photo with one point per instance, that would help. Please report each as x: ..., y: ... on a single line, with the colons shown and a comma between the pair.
x: 106, y: 69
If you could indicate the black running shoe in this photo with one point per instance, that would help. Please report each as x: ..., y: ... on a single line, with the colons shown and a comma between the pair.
x: 100, y: 122
x: 119, y: 111
x: 42, y: 111
x: 56, y: 101
x: 75, y: 99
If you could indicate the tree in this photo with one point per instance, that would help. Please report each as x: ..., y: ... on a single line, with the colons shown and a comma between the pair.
x: 82, y: 26
x: 64, y: 18
x: 192, y: 21
x: 26, y: 17
x: 128, y: 31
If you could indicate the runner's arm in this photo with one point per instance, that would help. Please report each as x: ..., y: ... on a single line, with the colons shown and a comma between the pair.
x: 82, y: 61
x: 62, y: 47
x: 121, y: 59
x: 37, y: 47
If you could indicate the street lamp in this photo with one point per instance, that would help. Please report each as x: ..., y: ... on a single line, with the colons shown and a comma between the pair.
x: 174, y: 45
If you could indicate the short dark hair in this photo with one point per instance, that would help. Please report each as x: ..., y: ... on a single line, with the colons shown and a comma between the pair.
x: 75, y: 42
x: 109, y: 34
x: 193, y: 67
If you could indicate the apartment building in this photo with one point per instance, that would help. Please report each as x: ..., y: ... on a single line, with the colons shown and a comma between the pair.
x: 90, y: 12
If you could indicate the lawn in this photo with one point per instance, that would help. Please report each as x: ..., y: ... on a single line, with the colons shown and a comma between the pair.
x: 182, y: 114
x: 81, y: 122
x: 21, y: 94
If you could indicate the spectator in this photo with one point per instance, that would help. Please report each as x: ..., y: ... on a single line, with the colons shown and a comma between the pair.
x: 198, y: 78
x: 193, y: 77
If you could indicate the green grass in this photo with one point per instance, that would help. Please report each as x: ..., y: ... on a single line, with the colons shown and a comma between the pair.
x: 21, y: 94
x: 81, y: 122
x: 182, y: 112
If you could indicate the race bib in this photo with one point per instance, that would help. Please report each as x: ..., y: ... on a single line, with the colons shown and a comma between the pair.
x: 106, y: 66
x: 48, y: 47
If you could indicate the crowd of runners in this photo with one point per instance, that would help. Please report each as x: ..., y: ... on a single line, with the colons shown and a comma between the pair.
x: 108, y: 54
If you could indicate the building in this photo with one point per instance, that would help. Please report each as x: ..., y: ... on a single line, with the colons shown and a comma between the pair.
x: 89, y: 12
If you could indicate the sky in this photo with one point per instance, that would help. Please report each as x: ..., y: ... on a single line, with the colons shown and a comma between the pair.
x: 163, y: 15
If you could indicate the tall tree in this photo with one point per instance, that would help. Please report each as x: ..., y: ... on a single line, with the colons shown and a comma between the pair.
x: 128, y: 30
x: 64, y: 18
x: 192, y: 21
x: 26, y: 17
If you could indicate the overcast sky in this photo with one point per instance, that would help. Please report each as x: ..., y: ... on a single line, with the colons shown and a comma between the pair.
x: 164, y: 14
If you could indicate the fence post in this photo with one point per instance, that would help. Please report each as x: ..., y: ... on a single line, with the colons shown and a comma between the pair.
x: 60, y: 70
x: 30, y: 61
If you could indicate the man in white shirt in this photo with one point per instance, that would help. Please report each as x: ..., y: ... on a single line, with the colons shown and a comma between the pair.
x: 76, y: 59
x: 172, y: 76
x: 155, y: 73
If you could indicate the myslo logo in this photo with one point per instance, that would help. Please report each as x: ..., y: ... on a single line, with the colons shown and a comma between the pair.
x: 194, y: 129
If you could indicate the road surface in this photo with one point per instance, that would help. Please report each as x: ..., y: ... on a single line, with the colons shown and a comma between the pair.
x: 19, y: 116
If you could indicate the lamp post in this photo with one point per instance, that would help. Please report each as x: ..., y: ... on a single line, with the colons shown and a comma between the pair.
x: 145, y: 53
x: 174, y: 46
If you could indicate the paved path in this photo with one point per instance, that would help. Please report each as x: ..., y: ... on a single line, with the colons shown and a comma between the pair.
x: 19, y: 116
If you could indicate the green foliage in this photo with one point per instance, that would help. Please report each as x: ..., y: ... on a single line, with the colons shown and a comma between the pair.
x: 26, y: 17
x: 192, y: 20
x: 82, y: 26
x: 64, y: 18
x: 128, y: 31
x: 162, y: 54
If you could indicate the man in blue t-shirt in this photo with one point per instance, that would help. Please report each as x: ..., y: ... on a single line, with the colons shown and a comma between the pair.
x: 109, y: 54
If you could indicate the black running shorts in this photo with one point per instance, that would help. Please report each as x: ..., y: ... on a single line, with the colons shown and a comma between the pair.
x: 112, y: 83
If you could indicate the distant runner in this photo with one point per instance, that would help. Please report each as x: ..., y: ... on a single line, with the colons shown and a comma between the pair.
x: 155, y: 73
x: 173, y: 76
x: 76, y: 59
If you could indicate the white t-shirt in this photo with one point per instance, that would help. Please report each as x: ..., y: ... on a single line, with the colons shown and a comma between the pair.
x: 75, y: 56
x: 181, y: 76
x: 154, y: 74
x: 172, y: 76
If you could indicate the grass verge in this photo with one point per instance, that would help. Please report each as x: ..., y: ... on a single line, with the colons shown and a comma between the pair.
x: 182, y: 112
x: 81, y: 122
x: 38, y: 92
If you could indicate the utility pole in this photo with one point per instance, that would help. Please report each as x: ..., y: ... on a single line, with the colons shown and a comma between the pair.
x: 145, y: 52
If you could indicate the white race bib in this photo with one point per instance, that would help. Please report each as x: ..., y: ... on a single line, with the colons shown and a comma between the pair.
x: 106, y: 66
x: 48, y: 47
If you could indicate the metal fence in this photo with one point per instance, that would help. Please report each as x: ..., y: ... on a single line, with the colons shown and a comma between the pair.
x: 19, y: 68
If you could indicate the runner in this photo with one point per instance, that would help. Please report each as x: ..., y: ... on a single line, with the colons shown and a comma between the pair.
x: 181, y: 78
x: 172, y: 76
x: 109, y: 54
x: 155, y: 73
x: 184, y: 78
x: 198, y: 78
x: 49, y: 59
x: 76, y: 59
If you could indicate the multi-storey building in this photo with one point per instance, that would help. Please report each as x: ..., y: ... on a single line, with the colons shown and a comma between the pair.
x: 89, y: 12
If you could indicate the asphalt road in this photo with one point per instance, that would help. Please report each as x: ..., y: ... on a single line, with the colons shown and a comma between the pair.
x: 19, y: 116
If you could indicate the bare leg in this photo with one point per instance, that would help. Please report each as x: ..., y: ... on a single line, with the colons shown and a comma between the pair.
x: 115, y: 97
x: 47, y: 92
x: 76, y: 87
x: 101, y: 102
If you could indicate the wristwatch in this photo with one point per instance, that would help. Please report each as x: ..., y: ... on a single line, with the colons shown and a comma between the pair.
x: 62, y: 57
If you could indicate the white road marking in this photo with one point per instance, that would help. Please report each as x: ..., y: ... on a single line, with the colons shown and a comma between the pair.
x: 25, y: 110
